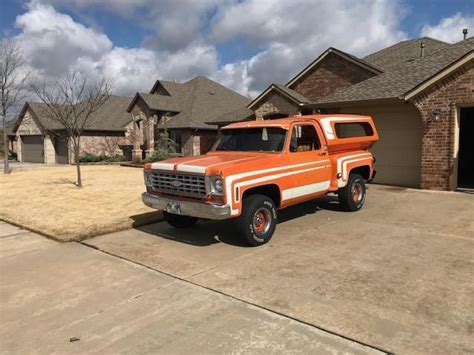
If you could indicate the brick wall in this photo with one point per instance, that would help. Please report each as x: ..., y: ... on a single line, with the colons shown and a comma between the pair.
x: 101, y: 145
x: 186, y: 142
x: 334, y: 72
x: 438, y: 155
x: 274, y: 104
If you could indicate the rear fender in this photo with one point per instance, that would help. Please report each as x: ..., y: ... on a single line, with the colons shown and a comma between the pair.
x: 343, y: 166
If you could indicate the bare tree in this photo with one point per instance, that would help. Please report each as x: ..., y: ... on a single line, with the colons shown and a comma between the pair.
x: 12, y: 84
x: 71, y: 102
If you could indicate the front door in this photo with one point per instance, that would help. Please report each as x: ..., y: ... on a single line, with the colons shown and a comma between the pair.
x: 311, y: 163
x: 466, y: 149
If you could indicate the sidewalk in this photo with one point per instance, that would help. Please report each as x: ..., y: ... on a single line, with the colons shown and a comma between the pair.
x: 72, y: 298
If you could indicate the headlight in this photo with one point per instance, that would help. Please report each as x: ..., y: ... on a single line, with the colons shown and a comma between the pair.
x: 216, y: 185
x: 147, y: 178
x: 219, y: 185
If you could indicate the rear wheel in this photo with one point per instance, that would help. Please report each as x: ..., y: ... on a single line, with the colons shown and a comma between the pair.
x: 179, y: 221
x: 258, y: 220
x: 352, y: 196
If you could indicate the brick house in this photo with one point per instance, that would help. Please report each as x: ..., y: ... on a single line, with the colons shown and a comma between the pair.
x: 420, y: 93
x: 183, y: 110
x: 40, y: 139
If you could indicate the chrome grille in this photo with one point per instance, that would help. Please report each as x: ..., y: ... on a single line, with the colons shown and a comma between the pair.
x: 193, y: 185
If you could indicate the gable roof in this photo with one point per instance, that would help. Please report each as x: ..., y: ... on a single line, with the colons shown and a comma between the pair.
x: 171, y: 87
x: 111, y: 116
x: 290, y: 94
x: 360, y: 62
x: 405, y: 73
x: 196, y: 102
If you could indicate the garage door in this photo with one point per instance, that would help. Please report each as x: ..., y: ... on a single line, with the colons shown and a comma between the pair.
x: 32, y: 149
x: 398, y: 151
x: 60, y: 146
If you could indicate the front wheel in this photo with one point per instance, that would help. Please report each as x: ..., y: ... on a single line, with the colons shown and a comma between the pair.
x: 178, y: 221
x: 352, y: 196
x: 258, y: 220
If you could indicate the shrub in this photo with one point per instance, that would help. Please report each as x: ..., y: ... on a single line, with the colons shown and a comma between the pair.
x: 164, y: 148
x: 91, y: 158
x: 116, y: 158
x: 12, y: 156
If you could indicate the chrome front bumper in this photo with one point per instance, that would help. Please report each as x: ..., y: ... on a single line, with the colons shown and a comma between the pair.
x: 187, y: 208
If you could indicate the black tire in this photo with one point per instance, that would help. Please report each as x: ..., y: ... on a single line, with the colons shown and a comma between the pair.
x: 179, y: 221
x: 352, y: 196
x: 258, y: 210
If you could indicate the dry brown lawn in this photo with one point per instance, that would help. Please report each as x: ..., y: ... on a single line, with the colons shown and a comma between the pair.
x: 46, y: 200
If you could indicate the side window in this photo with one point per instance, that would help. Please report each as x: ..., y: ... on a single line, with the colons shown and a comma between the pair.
x: 304, y: 139
x: 353, y: 129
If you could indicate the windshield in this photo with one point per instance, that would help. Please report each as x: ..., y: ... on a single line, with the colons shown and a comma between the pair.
x: 259, y: 139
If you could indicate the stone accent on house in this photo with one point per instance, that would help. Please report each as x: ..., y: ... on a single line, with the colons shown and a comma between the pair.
x: 19, y: 155
x: 333, y: 73
x: 28, y: 126
x: 276, y: 103
x: 49, y: 151
x: 439, y: 137
x: 143, y: 133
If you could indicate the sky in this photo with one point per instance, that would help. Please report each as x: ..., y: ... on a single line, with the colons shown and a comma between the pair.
x: 243, y: 44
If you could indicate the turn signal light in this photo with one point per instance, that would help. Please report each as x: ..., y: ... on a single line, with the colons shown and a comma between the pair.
x: 217, y: 200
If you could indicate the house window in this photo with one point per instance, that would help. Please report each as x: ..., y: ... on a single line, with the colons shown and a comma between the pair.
x: 304, y: 138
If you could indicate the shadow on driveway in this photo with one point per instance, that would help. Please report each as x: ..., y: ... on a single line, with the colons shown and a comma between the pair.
x: 207, y: 232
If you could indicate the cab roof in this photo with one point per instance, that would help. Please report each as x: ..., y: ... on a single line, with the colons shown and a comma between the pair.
x: 287, y: 121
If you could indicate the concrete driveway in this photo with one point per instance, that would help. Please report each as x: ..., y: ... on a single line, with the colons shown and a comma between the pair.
x: 71, y: 298
x: 396, y: 275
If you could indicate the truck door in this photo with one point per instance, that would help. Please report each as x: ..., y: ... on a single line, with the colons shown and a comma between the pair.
x: 312, y: 167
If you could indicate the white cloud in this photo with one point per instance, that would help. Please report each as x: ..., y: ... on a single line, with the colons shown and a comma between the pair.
x: 449, y: 29
x: 53, y: 43
x: 287, y: 35
x: 293, y: 33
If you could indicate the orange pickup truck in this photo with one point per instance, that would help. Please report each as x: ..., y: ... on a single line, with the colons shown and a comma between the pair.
x: 258, y: 167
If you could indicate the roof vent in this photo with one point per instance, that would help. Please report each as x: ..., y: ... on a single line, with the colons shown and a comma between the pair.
x: 464, y: 32
x: 211, y: 93
x: 422, y: 49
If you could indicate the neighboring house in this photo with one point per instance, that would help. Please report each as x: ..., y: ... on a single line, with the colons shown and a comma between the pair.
x: 183, y: 110
x: 420, y: 93
x: 40, y: 139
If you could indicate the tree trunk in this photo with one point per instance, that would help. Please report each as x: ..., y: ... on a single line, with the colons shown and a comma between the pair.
x: 6, y: 165
x: 77, y: 148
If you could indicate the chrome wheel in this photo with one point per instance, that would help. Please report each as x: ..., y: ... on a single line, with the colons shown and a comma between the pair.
x: 262, y: 221
x: 356, y: 192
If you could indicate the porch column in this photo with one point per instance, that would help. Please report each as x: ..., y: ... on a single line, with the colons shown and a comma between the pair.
x: 18, y: 148
x: 150, y: 136
x: 137, y: 140
x: 49, y: 151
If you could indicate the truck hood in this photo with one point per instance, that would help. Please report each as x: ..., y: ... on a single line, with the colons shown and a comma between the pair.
x: 214, y: 163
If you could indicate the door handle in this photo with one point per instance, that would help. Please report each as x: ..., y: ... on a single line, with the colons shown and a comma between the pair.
x: 322, y: 153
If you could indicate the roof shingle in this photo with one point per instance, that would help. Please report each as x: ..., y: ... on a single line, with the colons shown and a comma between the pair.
x: 404, y: 72
x: 201, y: 100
